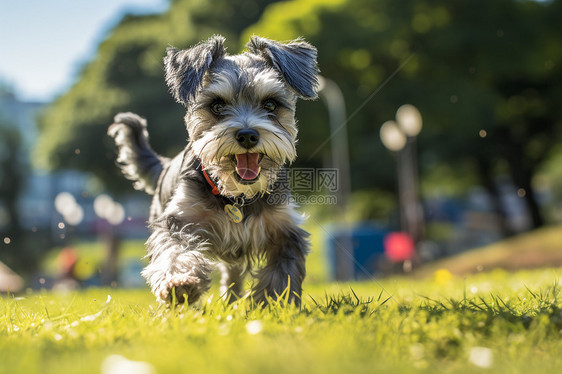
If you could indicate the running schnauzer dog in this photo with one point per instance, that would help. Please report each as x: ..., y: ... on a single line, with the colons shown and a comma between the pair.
x: 210, y: 207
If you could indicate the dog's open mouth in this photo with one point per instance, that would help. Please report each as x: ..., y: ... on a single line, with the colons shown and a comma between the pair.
x: 248, y: 166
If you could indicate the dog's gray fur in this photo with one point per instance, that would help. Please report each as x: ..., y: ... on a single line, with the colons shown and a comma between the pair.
x: 191, y: 233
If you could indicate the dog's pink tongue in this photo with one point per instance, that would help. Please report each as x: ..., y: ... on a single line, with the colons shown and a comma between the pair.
x: 247, y: 165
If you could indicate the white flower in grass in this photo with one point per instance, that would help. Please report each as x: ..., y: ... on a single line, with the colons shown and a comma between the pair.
x: 254, y: 327
x: 481, y: 357
x: 116, y: 364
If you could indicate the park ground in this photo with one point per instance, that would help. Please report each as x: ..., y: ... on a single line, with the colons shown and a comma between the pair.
x: 442, y: 321
x: 505, y: 322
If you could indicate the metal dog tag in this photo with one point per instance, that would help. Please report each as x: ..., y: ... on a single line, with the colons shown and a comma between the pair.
x: 234, y: 213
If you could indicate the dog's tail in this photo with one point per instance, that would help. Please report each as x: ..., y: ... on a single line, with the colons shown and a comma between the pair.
x: 135, y: 157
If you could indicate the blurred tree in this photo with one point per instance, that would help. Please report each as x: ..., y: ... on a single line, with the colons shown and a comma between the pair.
x: 486, y: 77
x: 127, y: 75
x: 19, y: 248
x: 12, y: 173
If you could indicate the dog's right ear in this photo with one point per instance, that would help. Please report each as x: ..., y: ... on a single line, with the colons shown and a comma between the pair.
x: 185, y: 68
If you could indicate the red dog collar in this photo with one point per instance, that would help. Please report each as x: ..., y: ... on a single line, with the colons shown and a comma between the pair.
x: 215, y: 189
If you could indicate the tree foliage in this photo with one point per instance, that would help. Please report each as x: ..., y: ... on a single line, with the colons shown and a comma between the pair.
x: 12, y: 173
x: 486, y: 77
x: 127, y: 75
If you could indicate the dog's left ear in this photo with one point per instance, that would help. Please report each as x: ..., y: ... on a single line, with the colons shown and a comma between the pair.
x: 185, y: 68
x: 296, y: 61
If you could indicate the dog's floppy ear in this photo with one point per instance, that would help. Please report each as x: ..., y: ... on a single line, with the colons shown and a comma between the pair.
x: 295, y: 60
x: 185, y: 68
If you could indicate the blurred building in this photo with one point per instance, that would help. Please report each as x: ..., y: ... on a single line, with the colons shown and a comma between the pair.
x: 21, y: 116
x: 35, y: 202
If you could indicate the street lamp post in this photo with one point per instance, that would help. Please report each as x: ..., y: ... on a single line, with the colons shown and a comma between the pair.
x: 400, y: 137
x: 333, y: 97
x: 331, y: 94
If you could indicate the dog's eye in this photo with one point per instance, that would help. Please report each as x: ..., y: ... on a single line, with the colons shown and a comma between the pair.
x: 217, y: 107
x: 270, y: 105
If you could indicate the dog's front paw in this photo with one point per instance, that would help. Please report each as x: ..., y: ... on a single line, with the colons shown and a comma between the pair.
x: 184, y: 286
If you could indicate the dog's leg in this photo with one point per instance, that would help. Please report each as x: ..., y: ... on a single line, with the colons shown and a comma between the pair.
x: 232, y: 281
x: 174, y: 265
x: 177, y: 258
x: 285, y: 267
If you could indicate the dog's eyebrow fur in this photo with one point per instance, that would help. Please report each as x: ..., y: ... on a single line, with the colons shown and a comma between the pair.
x: 253, y: 85
x: 266, y: 84
x: 224, y: 85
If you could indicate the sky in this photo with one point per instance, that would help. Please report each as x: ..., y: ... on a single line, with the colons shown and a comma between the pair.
x: 43, y: 43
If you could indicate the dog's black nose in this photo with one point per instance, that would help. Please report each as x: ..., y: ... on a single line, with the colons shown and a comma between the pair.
x: 247, y: 138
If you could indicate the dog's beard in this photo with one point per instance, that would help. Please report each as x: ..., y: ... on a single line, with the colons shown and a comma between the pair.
x: 238, y: 170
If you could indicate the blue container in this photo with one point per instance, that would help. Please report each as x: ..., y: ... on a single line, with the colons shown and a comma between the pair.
x: 355, y: 253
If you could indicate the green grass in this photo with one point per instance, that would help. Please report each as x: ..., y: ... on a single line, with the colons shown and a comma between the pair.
x: 535, y: 249
x: 397, y: 325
